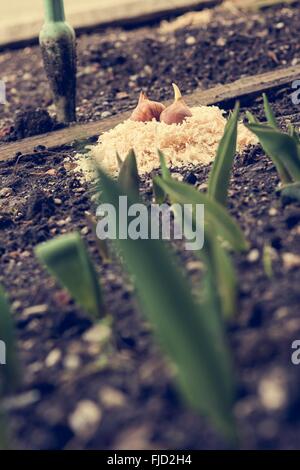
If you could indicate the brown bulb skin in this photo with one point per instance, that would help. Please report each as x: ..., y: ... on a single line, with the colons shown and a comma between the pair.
x: 147, y: 110
x: 177, y: 111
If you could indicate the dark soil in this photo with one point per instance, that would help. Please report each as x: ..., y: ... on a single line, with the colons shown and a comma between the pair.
x: 31, y: 122
x: 45, y: 201
x: 125, y: 376
x: 114, y: 65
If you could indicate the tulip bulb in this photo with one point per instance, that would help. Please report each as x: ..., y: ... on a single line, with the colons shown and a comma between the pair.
x: 147, y: 110
x: 177, y: 111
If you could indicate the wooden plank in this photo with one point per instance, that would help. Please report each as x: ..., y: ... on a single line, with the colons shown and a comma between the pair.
x: 245, y: 86
x: 21, y: 23
x: 217, y: 95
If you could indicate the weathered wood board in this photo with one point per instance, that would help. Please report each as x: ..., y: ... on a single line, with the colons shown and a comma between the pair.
x: 21, y: 21
x: 216, y: 95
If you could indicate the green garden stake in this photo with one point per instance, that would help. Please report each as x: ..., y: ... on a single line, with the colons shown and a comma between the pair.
x: 58, y: 45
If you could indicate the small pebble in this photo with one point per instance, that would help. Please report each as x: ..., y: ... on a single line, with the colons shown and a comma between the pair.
x: 53, y: 358
x: 190, y: 41
x: 111, y: 397
x: 148, y: 69
x: 97, y: 334
x: 51, y: 172
x: 253, y: 256
x: 79, y: 190
x: 72, y: 362
x: 21, y: 401
x: 85, y: 418
x: 35, y: 367
x: 273, y: 211
x: 121, y: 95
x: 272, y: 392
x: 105, y: 114
x: 291, y: 260
x: 221, y: 42
x: 281, y: 312
x: 61, y: 223
x: 57, y: 201
x: 35, y: 310
x: 5, y: 192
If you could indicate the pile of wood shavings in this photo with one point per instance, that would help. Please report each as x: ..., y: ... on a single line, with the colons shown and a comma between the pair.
x: 194, y: 141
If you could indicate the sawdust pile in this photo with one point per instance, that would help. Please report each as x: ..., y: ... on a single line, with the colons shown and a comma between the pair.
x: 194, y: 141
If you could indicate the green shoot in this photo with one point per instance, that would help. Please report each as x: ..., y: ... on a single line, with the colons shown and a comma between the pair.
x: 290, y: 193
x: 67, y: 259
x: 163, y: 165
x: 271, y: 120
x: 192, y: 336
x: 220, y: 271
x: 293, y: 133
x: 251, y: 118
x: 215, y: 213
x: 128, y: 177
x: 159, y: 193
x: 268, y: 261
x: 219, y: 178
x: 283, y: 150
x: 222, y: 275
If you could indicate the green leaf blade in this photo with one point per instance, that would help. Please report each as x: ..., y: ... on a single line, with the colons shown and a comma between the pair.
x: 251, y: 118
x: 194, y: 341
x: 270, y: 116
x: 281, y: 148
x: 166, y: 175
x: 129, y: 178
x: 227, y: 228
x: 225, y: 278
x: 219, y: 177
x: 290, y: 193
x: 67, y: 259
